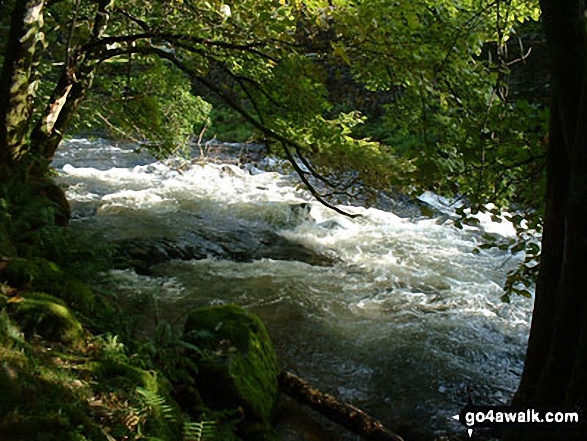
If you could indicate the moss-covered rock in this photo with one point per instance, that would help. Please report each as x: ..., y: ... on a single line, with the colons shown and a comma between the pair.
x: 42, y: 275
x: 238, y: 366
x: 47, y: 316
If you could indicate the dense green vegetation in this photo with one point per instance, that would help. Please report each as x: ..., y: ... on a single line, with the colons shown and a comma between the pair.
x: 430, y: 107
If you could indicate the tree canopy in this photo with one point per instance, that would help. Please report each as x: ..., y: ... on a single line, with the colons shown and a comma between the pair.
x: 450, y: 127
x: 438, y: 73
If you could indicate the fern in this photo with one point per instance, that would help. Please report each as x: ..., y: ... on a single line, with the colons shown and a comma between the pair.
x: 111, y: 348
x: 156, y: 403
x: 167, y: 352
x: 199, y: 431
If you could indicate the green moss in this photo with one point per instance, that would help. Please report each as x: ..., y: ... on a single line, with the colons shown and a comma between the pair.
x: 37, y: 401
x: 145, y: 390
x: 47, y: 316
x: 71, y: 392
x: 119, y: 374
x: 40, y: 274
x: 238, y: 367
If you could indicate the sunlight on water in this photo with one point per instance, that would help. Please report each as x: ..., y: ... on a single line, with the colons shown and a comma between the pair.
x: 401, y: 322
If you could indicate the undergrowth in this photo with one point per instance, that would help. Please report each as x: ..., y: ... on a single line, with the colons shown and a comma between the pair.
x: 112, y: 383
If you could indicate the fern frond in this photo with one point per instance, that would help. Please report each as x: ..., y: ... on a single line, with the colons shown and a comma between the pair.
x: 199, y: 431
x: 156, y: 403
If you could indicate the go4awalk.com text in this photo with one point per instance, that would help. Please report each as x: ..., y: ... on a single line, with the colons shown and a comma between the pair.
x: 499, y: 417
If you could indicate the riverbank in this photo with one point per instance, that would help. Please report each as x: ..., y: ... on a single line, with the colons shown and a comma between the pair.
x: 70, y: 371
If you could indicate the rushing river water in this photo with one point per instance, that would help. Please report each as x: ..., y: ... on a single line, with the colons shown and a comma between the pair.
x: 400, y: 317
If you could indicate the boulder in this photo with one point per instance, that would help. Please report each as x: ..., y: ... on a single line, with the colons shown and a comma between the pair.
x: 47, y: 316
x: 237, y: 366
x: 42, y: 275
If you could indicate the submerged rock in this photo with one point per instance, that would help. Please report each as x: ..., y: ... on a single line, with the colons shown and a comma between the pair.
x: 237, y: 367
x: 238, y: 243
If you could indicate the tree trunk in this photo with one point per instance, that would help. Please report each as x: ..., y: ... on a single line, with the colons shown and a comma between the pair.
x: 71, y: 89
x: 347, y: 415
x: 556, y: 365
x: 26, y: 148
x: 17, y: 85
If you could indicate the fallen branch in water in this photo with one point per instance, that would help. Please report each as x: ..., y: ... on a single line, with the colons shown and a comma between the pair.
x: 347, y: 415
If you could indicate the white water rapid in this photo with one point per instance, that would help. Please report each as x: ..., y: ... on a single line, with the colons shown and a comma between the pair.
x: 399, y: 316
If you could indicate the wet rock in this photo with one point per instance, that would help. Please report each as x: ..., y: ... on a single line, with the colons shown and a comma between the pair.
x: 330, y: 224
x: 141, y: 255
x: 240, y: 243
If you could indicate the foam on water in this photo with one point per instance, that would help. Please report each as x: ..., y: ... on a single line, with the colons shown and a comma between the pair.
x: 405, y: 318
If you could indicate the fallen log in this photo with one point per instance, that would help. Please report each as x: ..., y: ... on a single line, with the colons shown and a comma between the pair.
x: 344, y: 414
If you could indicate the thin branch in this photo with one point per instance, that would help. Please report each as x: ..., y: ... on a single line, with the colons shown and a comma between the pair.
x: 142, y: 24
x: 309, y: 186
x: 70, y: 36
x: 311, y: 168
x: 97, y: 46
x: 116, y: 129
x: 522, y: 58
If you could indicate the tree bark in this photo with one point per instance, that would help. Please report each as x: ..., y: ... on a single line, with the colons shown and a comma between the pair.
x: 554, y: 371
x: 17, y: 84
x: 71, y: 89
x: 347, y: 415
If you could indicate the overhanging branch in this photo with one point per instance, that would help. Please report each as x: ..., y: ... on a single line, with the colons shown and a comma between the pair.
x: 270, y: 133
x: 98, y: 46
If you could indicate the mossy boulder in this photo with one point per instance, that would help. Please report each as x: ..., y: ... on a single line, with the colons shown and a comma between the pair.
x: 120, y: 374
x: 42, y: 275
x: 47, y: 316
x: 238, y: 367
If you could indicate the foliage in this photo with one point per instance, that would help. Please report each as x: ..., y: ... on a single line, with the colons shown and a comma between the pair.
x: 26, y: 217
x: 31, y: 227
x: 169, y: 353
x: 522, y: 279
x: 451, y: 129
x: 498, y: 156
x: 228, y: 125
x: 199, y: 431
x: 149, y: 71
x: 153, y: 106
x: 36, y: 374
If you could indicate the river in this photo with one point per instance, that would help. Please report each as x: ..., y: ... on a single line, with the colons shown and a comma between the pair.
x: 400, y: 317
